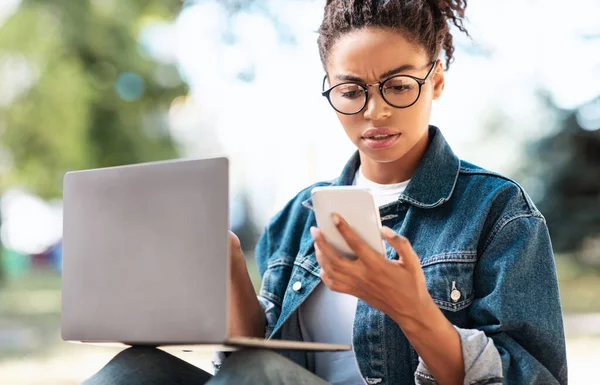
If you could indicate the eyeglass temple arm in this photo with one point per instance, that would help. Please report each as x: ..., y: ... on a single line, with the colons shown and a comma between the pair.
x: 430, y: 71
x: 323, y: 90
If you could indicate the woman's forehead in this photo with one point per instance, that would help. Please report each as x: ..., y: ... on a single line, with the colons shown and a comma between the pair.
x: 373, y: 52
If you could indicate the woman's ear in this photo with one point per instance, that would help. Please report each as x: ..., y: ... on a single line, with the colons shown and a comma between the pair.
x: 437, y: 79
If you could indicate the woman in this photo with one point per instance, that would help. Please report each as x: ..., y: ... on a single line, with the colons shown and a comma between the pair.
x: 467, y: 292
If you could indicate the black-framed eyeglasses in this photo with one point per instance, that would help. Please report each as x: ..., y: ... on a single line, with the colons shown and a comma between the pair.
x: 399, y: 91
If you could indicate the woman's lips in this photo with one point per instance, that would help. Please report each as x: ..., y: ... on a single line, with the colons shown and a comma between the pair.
x: 380, y: 142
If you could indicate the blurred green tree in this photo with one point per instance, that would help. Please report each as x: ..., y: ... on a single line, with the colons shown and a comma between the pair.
x: 566, y: 167
x: 79, y: 91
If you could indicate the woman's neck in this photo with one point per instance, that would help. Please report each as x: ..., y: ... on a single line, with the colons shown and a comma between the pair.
x: 399, y: 170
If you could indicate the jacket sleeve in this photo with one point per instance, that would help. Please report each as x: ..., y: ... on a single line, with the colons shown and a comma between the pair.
x: 262, y: 253
x: 517, y: 335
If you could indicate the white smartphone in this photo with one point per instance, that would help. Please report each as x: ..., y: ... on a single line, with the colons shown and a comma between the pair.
x: 357, y: 206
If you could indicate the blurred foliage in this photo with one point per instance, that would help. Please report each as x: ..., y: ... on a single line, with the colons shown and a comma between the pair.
x: 86, y: 93
x: 566, y: 168
x: 78, y: 91
x: 579, y: 285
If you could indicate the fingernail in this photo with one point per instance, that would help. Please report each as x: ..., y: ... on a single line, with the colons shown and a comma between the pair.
x: 389, y: 233
x: 313, y: 231
x: 335, y: 218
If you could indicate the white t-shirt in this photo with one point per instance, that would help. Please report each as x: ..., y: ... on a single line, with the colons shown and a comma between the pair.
x: 327, y: 316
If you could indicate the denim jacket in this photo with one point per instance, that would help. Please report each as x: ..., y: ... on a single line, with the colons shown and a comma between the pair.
x: 478, y: 234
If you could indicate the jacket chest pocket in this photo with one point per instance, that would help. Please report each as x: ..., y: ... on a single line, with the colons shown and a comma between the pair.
x: 449, y: 279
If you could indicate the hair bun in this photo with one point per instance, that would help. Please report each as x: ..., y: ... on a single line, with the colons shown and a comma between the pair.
x: 451, y: 8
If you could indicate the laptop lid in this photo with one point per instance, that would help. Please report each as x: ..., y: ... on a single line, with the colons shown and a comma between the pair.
x: 145, y: 253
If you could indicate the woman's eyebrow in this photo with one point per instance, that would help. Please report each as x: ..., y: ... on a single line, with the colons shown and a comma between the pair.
x: 397, y: 70
x: 387, y: 74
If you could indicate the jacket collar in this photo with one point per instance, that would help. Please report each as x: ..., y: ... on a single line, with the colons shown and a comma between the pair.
x: 432, y: 183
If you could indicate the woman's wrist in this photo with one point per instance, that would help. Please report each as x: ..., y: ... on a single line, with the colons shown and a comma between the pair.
x: 424, y: 317
x: 436, y: 341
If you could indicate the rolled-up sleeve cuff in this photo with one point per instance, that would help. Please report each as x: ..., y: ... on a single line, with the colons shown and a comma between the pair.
x: 270, y: 315
x: 217, y: 360
x: 483, y: 365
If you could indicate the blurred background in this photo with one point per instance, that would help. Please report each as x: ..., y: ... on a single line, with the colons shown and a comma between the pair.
x: 94, y: 83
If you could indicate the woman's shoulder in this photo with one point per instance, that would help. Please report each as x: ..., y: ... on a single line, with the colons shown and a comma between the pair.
x: 288, y: 229
x: 505, y: 194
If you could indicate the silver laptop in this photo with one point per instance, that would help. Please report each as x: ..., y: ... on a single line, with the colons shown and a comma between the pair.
x: 145, y: 257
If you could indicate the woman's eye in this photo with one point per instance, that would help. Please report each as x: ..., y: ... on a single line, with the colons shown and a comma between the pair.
x: 398, y: 88
x: 352, y: 92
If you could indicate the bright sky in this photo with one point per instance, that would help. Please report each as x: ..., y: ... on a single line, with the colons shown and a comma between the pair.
x: 530, y: 43
x: 7, y: 8
x: 280, y: 138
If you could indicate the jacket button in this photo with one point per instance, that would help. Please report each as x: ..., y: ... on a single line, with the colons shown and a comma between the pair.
x: 297, y: 286
x: 455, y: 293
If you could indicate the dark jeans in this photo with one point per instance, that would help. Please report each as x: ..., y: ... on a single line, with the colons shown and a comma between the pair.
x: 150, y: 366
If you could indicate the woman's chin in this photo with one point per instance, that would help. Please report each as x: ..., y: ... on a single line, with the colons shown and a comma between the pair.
x: 383, y: 156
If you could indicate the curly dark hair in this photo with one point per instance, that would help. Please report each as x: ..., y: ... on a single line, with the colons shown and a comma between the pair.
x: 424, y: 22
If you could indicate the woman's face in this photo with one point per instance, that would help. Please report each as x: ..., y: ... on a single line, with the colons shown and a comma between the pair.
x: 370, y: 55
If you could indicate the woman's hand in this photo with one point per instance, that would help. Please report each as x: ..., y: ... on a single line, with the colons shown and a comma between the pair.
x: 237, y: 255
x: 247, y: 319
x: 395, y: 287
